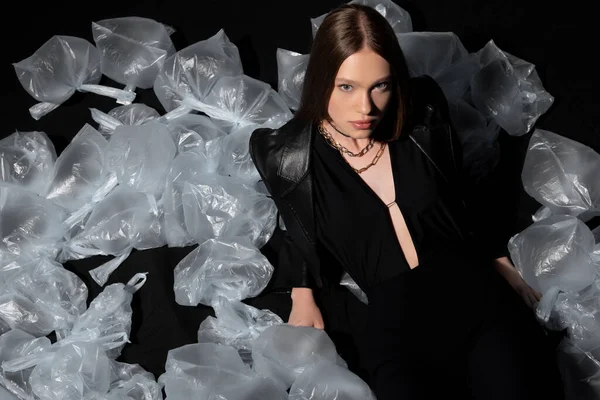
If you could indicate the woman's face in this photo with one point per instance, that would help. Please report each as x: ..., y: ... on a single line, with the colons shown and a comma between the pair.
x: 361, y: 93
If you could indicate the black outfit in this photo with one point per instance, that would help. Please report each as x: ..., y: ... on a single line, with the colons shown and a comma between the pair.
x: 452, y: 320
x: 452, y: 325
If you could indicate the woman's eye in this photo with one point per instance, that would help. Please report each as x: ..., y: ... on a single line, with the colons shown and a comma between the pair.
x: 382, y: 86
x: 345, y: 87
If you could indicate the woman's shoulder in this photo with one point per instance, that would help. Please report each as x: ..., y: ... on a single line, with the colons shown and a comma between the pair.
x: 268, y: 145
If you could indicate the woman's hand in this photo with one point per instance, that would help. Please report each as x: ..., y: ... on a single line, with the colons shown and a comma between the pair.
x: 305, y: 311
x: 512, y: 276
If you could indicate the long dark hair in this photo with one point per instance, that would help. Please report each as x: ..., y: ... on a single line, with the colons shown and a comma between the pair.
x: 344, y: 31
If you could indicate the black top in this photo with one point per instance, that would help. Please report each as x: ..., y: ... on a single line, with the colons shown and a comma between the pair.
x: 355, y: 226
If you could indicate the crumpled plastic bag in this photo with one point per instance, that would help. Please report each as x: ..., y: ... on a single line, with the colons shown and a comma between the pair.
x: 219, y: 268
x: 15, y: 344
x: 562, y: 175
x: 235, y: 160
x: 30, y: 226
x: 61, y: 66
x: 125, y: 220
x: 236, y: 325
x: 291, y: 68
x: 327, y: 381
x: 80, y: 177
x: 509, y: 90
x: 140, y: 156
x: 131, y: 114
x: 54, y: 291
x: 191, y: 72
x: 133, y: 50
x: 197, y: 134
x: 212, y: 371
x: 27, y: 160
x: 284, y: 352
x: 553, y: 255
x: 107, y: 321
x: 239, y: 101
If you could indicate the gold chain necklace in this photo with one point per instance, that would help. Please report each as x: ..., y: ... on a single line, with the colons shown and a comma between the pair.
x: 341, y: 148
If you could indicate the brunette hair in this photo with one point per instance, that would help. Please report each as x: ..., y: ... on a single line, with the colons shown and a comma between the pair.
x: 344, y: 31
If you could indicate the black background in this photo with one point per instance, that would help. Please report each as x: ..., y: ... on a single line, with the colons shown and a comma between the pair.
x: 561, y: 40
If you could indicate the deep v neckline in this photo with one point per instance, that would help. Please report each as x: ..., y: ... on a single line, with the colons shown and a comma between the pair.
x: 392, y: 154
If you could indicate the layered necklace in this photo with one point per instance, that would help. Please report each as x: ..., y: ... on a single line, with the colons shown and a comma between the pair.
x: 336, y: 145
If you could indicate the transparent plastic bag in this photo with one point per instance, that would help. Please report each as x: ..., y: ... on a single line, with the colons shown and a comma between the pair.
x: 562, y: 175
x: 196, y: 133
x: 27, y: 160
x: 80, y: 173
x: 283, y: 352
x: 15, y: 344
x: 223, y: 207
x: 107, y: 321
x: 212, y: 371
x: 327, y: 381
x: 55, y: 291
x: 140, y: 156
x: 191, y: 72
x: 219, y: 268
x: 133, y: 50
x: 30, y: 225
x: 61, y: 66
x: 353, y: 287
x: 18, y: 312
x: 75, y: 371
x: 238, y: 101
x: 291, y: 67
x: 131, y: 114
x: 236, y: 325
x: 509, y: 90
x: 124, y: 220
x: 553, y: 255
x: 235, y: 156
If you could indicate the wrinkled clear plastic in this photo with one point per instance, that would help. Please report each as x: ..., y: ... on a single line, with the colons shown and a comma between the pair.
x: 562, y: 175
x: 30, y: 225
x: 195, y: 133
x: 15, y: 344
x: 61, y: 66
x: 580, y: 369
x: 79, y: 171
x: 223, y: 207
x: 133, y: 49
x: 284, y: 352
x: 212, y: 371
x: 509, y: 90
x: 55, y: 291
x: 238, y: 101
x: 291, y: 67
x: 192, y: 71
x: 140, y: 156
x: 217, y: 268
x: 553, y: 255
x: 235, y: 156
x: 18, y: 312
x: 327, y: 381
x: 124, y: 220
x: 27, y: 160
x: 396, y: 16
x: 108, y: 318
x: 236, y: 325
x: 131, y: 114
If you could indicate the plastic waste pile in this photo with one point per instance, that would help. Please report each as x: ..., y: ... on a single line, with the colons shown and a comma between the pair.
x: 136, y: 178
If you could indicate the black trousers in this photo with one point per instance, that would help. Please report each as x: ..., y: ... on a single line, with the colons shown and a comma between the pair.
x: 457, y: 328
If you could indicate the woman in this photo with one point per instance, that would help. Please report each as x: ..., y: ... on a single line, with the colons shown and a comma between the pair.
x: 368, y: 174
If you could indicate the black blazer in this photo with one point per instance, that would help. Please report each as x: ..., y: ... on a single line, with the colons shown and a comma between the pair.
x: 283, y: 159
